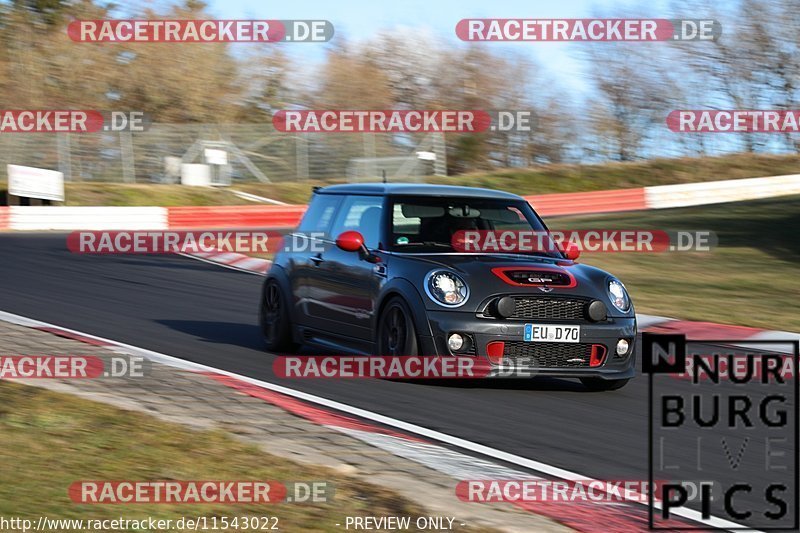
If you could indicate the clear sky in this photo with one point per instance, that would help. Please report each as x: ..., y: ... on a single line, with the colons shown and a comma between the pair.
x: 356, y: 20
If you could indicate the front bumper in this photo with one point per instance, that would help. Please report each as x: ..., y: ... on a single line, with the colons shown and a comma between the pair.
x: 484, y: 331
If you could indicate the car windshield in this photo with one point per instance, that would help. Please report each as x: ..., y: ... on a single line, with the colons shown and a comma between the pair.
x: 427, y: 225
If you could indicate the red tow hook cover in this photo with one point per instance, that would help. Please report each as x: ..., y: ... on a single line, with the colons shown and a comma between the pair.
x: 495, y: 350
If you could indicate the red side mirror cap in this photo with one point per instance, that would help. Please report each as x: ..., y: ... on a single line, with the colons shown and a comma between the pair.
x: 572, y: 251
x: 350, y: 241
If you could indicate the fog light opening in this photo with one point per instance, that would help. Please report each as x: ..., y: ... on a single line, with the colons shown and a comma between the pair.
x: 622, y: 347
x: 455, y: 342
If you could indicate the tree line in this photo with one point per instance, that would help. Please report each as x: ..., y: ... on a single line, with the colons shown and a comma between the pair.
x: 620, y: 117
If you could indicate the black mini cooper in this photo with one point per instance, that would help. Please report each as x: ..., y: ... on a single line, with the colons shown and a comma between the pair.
x: 377, y: 272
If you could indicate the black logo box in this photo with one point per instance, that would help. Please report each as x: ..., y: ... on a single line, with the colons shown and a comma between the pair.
x: 677, y: 366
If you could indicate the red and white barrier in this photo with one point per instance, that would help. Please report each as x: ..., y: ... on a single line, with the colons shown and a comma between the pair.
x: 208, y: 217
x: 31, y: 218
x: 582, y: 203
x: 5, y: 218
x: 717, y: 192
x: 43, y: 218
x: 69, y: 218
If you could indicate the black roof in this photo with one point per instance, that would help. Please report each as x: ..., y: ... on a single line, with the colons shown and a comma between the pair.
x: 417, y: 189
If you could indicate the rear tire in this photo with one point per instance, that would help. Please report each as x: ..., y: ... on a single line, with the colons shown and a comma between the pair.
x: 600, y: 384
x: 397, y: 335
x: 276, y: 326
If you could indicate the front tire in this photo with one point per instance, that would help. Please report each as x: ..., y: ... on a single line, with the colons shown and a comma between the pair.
x: 397, y: 335
x: 600, y: 384
x: 276, y: 326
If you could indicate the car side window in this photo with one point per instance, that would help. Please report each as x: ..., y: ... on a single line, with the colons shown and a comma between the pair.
x: 362, y: 214
x: 320, y: 214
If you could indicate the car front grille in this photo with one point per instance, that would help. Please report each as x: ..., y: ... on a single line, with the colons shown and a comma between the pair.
x: 536, y: 308
x: 547, y: 355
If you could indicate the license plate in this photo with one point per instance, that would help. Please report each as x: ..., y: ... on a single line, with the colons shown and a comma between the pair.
x: 552, y: 333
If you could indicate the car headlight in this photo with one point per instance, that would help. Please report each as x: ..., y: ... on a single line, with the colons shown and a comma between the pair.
x: 446, y: 288
x: 618, y: 295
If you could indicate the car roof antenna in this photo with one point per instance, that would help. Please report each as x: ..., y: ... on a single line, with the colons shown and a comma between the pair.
x: 383, y: 174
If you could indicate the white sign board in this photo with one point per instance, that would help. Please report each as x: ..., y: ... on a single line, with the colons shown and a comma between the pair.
x: 196, y: 175
x: 426, y: 156
x: 35, y: 183
x: 216, y: 157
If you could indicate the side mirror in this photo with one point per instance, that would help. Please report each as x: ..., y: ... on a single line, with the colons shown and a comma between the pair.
x: 572, y: 252
x: 350, y: 241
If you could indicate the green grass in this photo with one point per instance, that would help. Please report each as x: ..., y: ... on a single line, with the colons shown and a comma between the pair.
x: 526, y: 181
x: 50, y: 440
x: 289, y: 192
x: 752, y: 278
x: 117, y: 194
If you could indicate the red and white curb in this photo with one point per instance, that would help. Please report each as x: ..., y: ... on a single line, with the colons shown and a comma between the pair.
x: 426, y: 446
x: 236, y: 261
x: 744, y: 336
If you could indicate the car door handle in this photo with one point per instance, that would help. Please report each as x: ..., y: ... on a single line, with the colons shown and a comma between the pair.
x: 316, y: 259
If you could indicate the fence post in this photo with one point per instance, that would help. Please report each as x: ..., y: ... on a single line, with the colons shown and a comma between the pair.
x: 64, y: 156
x: 369, y: 154
x: 126, y: 151
x: 301, y: 156
x: 439, y: 148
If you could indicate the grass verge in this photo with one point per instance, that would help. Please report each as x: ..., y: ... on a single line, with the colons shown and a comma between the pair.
x: 51, y: 440
x: 572, y: 178
x: 750, y: 279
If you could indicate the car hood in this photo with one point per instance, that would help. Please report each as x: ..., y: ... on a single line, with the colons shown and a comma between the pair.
x: 478, y: 264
